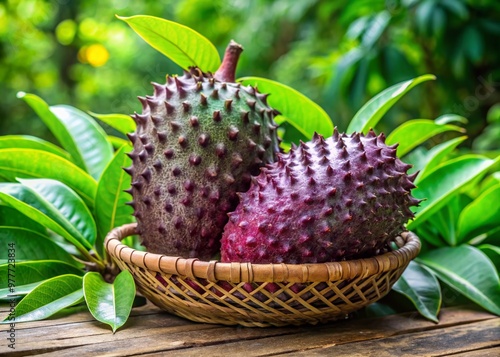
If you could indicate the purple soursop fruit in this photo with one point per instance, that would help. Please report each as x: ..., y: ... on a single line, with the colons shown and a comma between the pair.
x: 199, y: 139
x: 345, y: 197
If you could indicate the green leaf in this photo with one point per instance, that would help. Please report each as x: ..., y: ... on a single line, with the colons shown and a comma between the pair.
x: 423, y: 16
x: 77, y: 132
x: 441, y: 221
x: 181, y: 44
x: 20, y: 290
x: 288, y: 135
x: 71, y: 212
x: 49, y: 297
x: 459, y: 8
x: 10, y: 217
x: 344, y: 73
x: 451, y: 118
x: 38, y: 208
x: 422, y: 288
x: 414, y: 132
x: 357, y: 27
x: 57, y: 128
x: 493, y: 252
x: 428, y: 234
x: 436, y: 155
x: 88, y: 136
x: 480, y: 215
x: 474, y: 44
x: 375, y: 28
x: 444, y: 182
x: 378, y: 309
x: 31, y: 142
x: 489, y: 181
x: 110, y: 303
x: 30, y: 245
x: 117, y: 142
x: 29, y: 163
x: 110, y: 209
x: 438, y: 22
x: 296, y: 109
x: 371, y: 113
x: 445, y: 219
x: 490, y: 237
x: 467, y: 270
x: 121, y: 122
x: 33, y: 271
x: 73, y: 309
x: 493, y: 115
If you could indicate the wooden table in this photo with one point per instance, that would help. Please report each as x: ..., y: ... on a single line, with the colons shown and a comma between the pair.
x: 465, y: 331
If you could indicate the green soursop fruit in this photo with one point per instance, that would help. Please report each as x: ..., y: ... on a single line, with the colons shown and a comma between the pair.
x: 345, y: 197
x: 199, y: 139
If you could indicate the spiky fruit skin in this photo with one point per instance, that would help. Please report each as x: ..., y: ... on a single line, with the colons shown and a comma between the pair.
x: 341, y: 198
x: 197, y: 143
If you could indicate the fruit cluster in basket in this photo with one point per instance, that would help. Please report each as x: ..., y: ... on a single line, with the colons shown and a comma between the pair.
x: 208, y: 177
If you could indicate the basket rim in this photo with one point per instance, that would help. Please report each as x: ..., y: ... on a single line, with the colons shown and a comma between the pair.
x: 236, y: 272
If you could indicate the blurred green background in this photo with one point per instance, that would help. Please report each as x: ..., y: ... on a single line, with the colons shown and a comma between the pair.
x: 338, y: 53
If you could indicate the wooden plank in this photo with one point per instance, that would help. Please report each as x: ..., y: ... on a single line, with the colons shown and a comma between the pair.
x: 348, y: 332
x: 151, y: 334
x: 488, y: 352
x: 44, y: 337
x: 156, y: 340
x: 83, y: 316
x: 451, y: 340
x: 89, y: 332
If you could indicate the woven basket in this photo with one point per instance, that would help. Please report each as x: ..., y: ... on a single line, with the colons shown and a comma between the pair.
x: 261, y: 294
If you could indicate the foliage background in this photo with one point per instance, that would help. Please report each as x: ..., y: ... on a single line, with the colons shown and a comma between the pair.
x: 339, y: 53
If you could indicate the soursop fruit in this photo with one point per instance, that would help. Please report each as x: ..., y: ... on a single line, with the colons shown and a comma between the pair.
x: 198, y: 140
x: 327, y: 200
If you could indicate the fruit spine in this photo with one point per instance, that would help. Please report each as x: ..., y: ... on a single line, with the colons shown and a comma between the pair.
x: 199, y: 139
x: 341, y: 198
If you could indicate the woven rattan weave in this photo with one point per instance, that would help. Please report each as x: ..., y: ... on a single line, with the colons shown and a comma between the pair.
x: 261, y: 294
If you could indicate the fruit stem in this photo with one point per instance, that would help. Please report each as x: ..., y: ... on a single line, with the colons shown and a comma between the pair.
x: 227, y: 69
